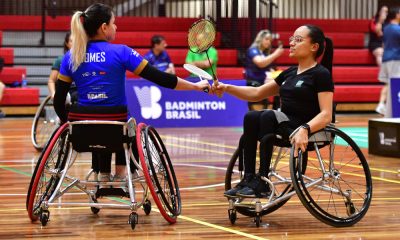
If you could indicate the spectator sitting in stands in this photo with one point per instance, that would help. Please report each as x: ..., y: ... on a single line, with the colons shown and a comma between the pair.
x: 158, y: 56
x: 259, y: 64
x: 200, y: 59
x: 2, y: 86
x: 55, y: 68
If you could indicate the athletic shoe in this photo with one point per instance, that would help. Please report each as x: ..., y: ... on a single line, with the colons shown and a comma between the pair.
x: 256, y: 188
x: 243, y: 183
x: 122, y: 179
x: 381, y: 108
x: 104, y: 177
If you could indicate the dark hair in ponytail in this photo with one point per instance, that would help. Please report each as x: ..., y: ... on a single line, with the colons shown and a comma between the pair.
x: 84, y: 25
x: 325, y: 46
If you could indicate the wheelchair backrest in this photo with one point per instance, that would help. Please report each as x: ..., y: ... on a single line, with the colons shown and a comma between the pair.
x: 96, y: 136
x: 98, y: 129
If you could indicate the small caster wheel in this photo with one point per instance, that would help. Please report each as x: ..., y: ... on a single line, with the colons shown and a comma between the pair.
x: 133, y: 220
x: 232, y: 215
x: 147, y: 207
x: 44, y: 217
x: 95, y: 210
x: 257, y: 219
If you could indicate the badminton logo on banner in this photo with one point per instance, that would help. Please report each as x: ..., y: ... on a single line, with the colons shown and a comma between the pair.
x: 163, y: 107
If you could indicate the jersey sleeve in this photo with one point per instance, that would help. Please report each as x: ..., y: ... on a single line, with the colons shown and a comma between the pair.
x: 252, y: 52
x: 167, y: 58
x: 133, y: 61
x: 213, y: 54
x: 189, y: 57
x: 65, y: 69
x: 323, y: 81
x: 57, y: 63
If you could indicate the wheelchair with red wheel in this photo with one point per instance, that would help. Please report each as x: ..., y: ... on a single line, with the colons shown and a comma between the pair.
x: 148, y: 168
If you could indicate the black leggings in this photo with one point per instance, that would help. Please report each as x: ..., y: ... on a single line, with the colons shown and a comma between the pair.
x: 257, y: 126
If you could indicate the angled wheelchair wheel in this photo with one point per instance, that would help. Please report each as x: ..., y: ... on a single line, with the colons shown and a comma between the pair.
x: 159, y: 172
x: 336, y: 187
x: 46, y: 175
x: 44, y: 123
x: 279, y: 167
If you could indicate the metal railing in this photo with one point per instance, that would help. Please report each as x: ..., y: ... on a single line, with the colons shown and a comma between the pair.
x: 331, y: 9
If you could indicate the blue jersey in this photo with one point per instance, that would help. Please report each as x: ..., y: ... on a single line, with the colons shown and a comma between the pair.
x: 391, y: 43
x: 253, y: 72
x: 161, y: 62
x: 100, y: 79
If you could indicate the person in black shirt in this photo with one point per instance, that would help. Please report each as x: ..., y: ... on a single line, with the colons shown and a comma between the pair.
x: 306, y: 92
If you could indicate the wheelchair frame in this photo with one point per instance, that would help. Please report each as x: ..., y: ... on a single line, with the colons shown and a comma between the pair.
x: 60, y: 182
x: 298, y: 183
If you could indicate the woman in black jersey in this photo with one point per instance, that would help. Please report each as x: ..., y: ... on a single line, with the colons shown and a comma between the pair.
x: 306, y: 93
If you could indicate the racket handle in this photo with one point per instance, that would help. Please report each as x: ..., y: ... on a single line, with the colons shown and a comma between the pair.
x: 205, y: 90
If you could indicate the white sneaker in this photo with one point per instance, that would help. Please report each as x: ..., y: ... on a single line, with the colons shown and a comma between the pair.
x: 104, y: 177
x: 381, y: 108
x: 122, y: 179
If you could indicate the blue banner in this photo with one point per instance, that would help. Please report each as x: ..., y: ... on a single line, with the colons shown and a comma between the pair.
x: 162, y: 107
x: 395, y: 94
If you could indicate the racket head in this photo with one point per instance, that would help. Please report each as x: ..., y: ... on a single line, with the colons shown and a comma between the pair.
x: 197, y: 71
x: 201, y: 35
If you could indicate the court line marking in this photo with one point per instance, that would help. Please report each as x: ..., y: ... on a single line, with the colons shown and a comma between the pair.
x: 204, y: 223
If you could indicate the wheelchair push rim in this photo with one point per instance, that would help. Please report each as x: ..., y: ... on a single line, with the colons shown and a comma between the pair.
x: 42, y: 186
x: 152, y: 153
x: 336, y: 187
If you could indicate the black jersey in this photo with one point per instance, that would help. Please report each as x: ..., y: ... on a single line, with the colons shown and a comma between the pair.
x: 299, y: 92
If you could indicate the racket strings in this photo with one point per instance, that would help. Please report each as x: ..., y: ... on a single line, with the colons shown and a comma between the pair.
x: 201, y: 36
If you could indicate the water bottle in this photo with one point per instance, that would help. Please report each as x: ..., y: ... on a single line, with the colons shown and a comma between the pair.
x: 24, y: 81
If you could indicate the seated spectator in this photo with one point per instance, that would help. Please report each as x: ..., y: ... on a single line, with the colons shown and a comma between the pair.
x: 158, y: 56
x: 259, y: 64
x: 200, y: 59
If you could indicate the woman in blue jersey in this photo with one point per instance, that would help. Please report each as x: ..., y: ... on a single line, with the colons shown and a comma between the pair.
x: 98, y: 68
x: 259, y: 61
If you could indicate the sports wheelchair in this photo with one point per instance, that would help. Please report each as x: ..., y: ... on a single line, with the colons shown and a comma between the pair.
x: 331, y: 178
x: 155, y: 174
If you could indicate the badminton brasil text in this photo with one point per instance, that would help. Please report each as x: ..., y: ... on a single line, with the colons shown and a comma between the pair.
x: 190, y: 110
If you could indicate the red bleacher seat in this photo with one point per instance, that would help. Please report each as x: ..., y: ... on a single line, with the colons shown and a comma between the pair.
x: 341, y: 57
x: 10, y: 75
x: 340, y: 40
x: 226, y: 57
x: 342, y: 74
x: 8, y: 55
x: 62, y: 23
x: 356, y: 93
x: 20, y: 96
x: 142, y: 39
x: 223, y: 73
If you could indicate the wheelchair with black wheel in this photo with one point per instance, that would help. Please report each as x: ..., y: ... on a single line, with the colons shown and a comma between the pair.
x: 331, y: 178
x: 52, y: 179
x: 44, y: 123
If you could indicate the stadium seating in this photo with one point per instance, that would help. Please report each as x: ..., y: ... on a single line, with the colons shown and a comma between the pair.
x: 8, y: 55
x: 11, y: 75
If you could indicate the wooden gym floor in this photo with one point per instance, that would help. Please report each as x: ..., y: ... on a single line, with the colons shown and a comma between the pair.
x: 200, y: 156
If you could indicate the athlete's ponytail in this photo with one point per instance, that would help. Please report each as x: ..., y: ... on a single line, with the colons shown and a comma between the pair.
x: 79, y: 40
x: 84, y: 25
x: 325, y: 46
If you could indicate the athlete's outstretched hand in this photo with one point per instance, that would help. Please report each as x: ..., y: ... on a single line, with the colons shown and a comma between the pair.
x: 218, y: 89
x: 203, y: 86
